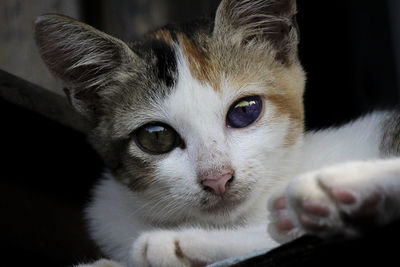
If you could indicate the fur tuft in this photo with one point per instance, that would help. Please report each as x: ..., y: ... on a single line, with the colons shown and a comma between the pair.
x: 81, y: 56
x: 272, y: 21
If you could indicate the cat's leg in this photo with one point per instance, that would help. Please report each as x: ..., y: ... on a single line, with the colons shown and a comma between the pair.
x: 197, y: 247
x: 101, y: 263
x: 343, y: 199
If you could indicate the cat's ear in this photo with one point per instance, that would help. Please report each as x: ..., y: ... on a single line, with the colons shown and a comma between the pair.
x: 271, y: 21
x: 82, y: 57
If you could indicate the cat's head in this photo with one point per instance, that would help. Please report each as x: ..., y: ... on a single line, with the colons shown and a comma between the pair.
x: 198, y: 119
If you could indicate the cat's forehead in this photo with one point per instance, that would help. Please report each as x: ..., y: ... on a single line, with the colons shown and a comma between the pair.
x: 211, y: 61
x: 162, y: 48
x: 201, y: 71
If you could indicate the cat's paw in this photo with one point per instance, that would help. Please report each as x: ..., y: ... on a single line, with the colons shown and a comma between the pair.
x: 341, y: 200
x: 163, y: 249
x: 101, y: 263
x: 281, y: 228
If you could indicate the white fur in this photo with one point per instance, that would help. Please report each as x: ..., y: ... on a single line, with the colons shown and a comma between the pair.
x: 174, y: 221
x: 101, y: 263
x: 357, y: 140
x: 145, y: 230
x: 119, y: 216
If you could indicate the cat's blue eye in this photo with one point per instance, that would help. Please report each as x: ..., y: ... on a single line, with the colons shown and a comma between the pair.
x: 244, y: 112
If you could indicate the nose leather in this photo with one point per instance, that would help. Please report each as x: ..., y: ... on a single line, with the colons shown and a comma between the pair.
x: 218, y: 182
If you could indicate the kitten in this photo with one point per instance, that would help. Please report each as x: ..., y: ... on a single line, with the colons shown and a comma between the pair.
x: 200, y: 125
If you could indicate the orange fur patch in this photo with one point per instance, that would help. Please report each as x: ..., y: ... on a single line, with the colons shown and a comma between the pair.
x: 200, y: 65
x: 162, y: 35
x: 293, y: 108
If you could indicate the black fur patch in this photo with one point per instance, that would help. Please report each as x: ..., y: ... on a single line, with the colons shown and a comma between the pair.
x: 390, y: 145
x: 190, y: 29
x: 129, y: 170
x: 162, y: 57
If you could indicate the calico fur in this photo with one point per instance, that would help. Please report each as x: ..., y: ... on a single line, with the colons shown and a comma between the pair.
x: 152, y: 210
x: 390, y: 144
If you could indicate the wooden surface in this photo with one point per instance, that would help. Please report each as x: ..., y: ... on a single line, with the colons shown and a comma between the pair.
x: 18, y: 52
x: 47, y: 171
x: 35, y: 98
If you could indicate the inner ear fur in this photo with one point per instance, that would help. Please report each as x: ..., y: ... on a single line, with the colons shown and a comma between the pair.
x: 81, y: 56
x: 262, y: 21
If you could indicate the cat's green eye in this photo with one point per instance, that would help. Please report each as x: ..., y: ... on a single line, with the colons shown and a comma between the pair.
x: 157, y: 138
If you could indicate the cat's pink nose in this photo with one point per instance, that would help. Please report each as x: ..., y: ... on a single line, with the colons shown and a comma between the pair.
x: 217, y: 182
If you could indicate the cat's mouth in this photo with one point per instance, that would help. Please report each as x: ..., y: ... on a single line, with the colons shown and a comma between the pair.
x: 222, y: 204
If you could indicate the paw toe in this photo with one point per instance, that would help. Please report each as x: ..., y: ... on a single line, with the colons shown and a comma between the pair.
x: 280, y: 203
x: 284, y: 224
x: 343, y: 196
x: 311, y: 223
x: 318, y: 210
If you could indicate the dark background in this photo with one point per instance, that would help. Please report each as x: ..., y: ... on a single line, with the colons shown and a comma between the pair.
x: 47, y: 170
x: 348, y: 50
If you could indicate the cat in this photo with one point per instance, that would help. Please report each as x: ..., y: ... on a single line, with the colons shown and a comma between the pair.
x: 201, y: 128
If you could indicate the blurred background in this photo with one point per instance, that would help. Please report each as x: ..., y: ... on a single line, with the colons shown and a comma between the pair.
x: 350, y: 51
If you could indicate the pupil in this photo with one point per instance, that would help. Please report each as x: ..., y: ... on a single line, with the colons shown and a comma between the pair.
x: 156, y: 138
x: 244, y: 112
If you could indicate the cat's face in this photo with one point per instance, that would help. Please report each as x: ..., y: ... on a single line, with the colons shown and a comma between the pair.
x: 198, y: 121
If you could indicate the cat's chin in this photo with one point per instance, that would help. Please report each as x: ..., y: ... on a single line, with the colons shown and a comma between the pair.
x: 221, y: 205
